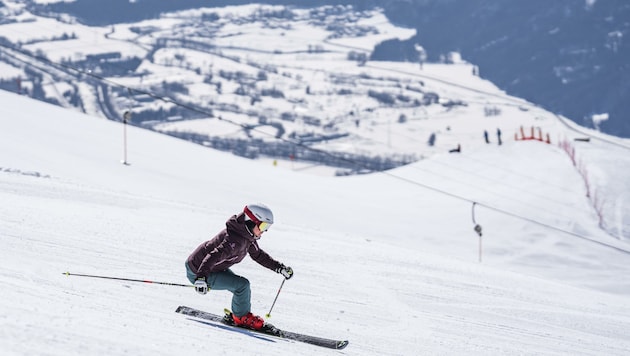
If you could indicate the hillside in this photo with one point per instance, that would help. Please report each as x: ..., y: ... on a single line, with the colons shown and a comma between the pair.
x: 388, y: 259
x: 380, y: 259
x: 569, y: 57
x: 244, y: 80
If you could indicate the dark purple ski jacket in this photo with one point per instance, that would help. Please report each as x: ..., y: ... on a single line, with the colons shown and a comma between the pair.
x: 228, y: 248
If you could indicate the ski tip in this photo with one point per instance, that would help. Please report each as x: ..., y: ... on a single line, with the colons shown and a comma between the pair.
x: 342, y: 344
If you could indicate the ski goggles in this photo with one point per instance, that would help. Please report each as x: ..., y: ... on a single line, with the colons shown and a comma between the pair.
x: 264, y: 226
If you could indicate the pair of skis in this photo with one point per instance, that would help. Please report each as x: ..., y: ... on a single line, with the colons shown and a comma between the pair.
x: 267, y: 329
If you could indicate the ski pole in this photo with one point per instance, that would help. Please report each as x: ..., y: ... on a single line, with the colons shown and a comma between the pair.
x: 128, y: 279
x: 274, y: 301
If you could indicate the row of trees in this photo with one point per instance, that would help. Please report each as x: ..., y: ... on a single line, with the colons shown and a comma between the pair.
x: 254, y: 148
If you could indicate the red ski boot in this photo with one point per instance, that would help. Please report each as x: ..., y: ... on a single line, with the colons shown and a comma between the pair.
x: 249, y: 321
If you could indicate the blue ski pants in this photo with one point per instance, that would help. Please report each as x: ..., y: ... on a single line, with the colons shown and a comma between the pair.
x: 227, y: 280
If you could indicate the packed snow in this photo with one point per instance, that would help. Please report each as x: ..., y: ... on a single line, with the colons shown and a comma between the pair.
x: 389, y: 261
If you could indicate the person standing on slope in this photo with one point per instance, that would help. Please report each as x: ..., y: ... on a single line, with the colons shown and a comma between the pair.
x: 208, y: 267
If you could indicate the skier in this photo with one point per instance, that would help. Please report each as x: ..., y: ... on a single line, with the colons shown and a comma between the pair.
x: 208, y: 267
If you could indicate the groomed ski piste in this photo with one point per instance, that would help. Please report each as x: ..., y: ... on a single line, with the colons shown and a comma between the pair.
x: 388, y: 261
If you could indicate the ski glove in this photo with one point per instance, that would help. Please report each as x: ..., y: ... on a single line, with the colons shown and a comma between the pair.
x: 285, y: 271
x: 201, y: 286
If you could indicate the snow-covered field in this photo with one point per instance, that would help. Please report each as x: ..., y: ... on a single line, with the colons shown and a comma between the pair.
x: 373, y: 109
x: 388, y: 261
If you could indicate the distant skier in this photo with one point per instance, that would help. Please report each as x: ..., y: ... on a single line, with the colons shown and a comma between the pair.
x: 458, y: 149
x: 485, y: 136
x: 208, y: 267
x: 499, y: 136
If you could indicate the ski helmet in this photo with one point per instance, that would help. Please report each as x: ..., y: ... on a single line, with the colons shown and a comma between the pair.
x: 260, y: 214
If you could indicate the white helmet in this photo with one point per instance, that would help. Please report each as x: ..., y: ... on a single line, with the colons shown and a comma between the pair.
x: 258, y: 213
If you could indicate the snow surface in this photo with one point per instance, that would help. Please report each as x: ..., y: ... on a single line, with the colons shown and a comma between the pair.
x: 388, y: 261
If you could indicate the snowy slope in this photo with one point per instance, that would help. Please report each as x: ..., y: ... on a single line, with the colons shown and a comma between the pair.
x: 386, y: 260
x: 329, y: 99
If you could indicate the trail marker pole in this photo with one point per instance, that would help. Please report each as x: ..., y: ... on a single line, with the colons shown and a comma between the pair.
x: 126, y: 117
x: 477, y: 230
